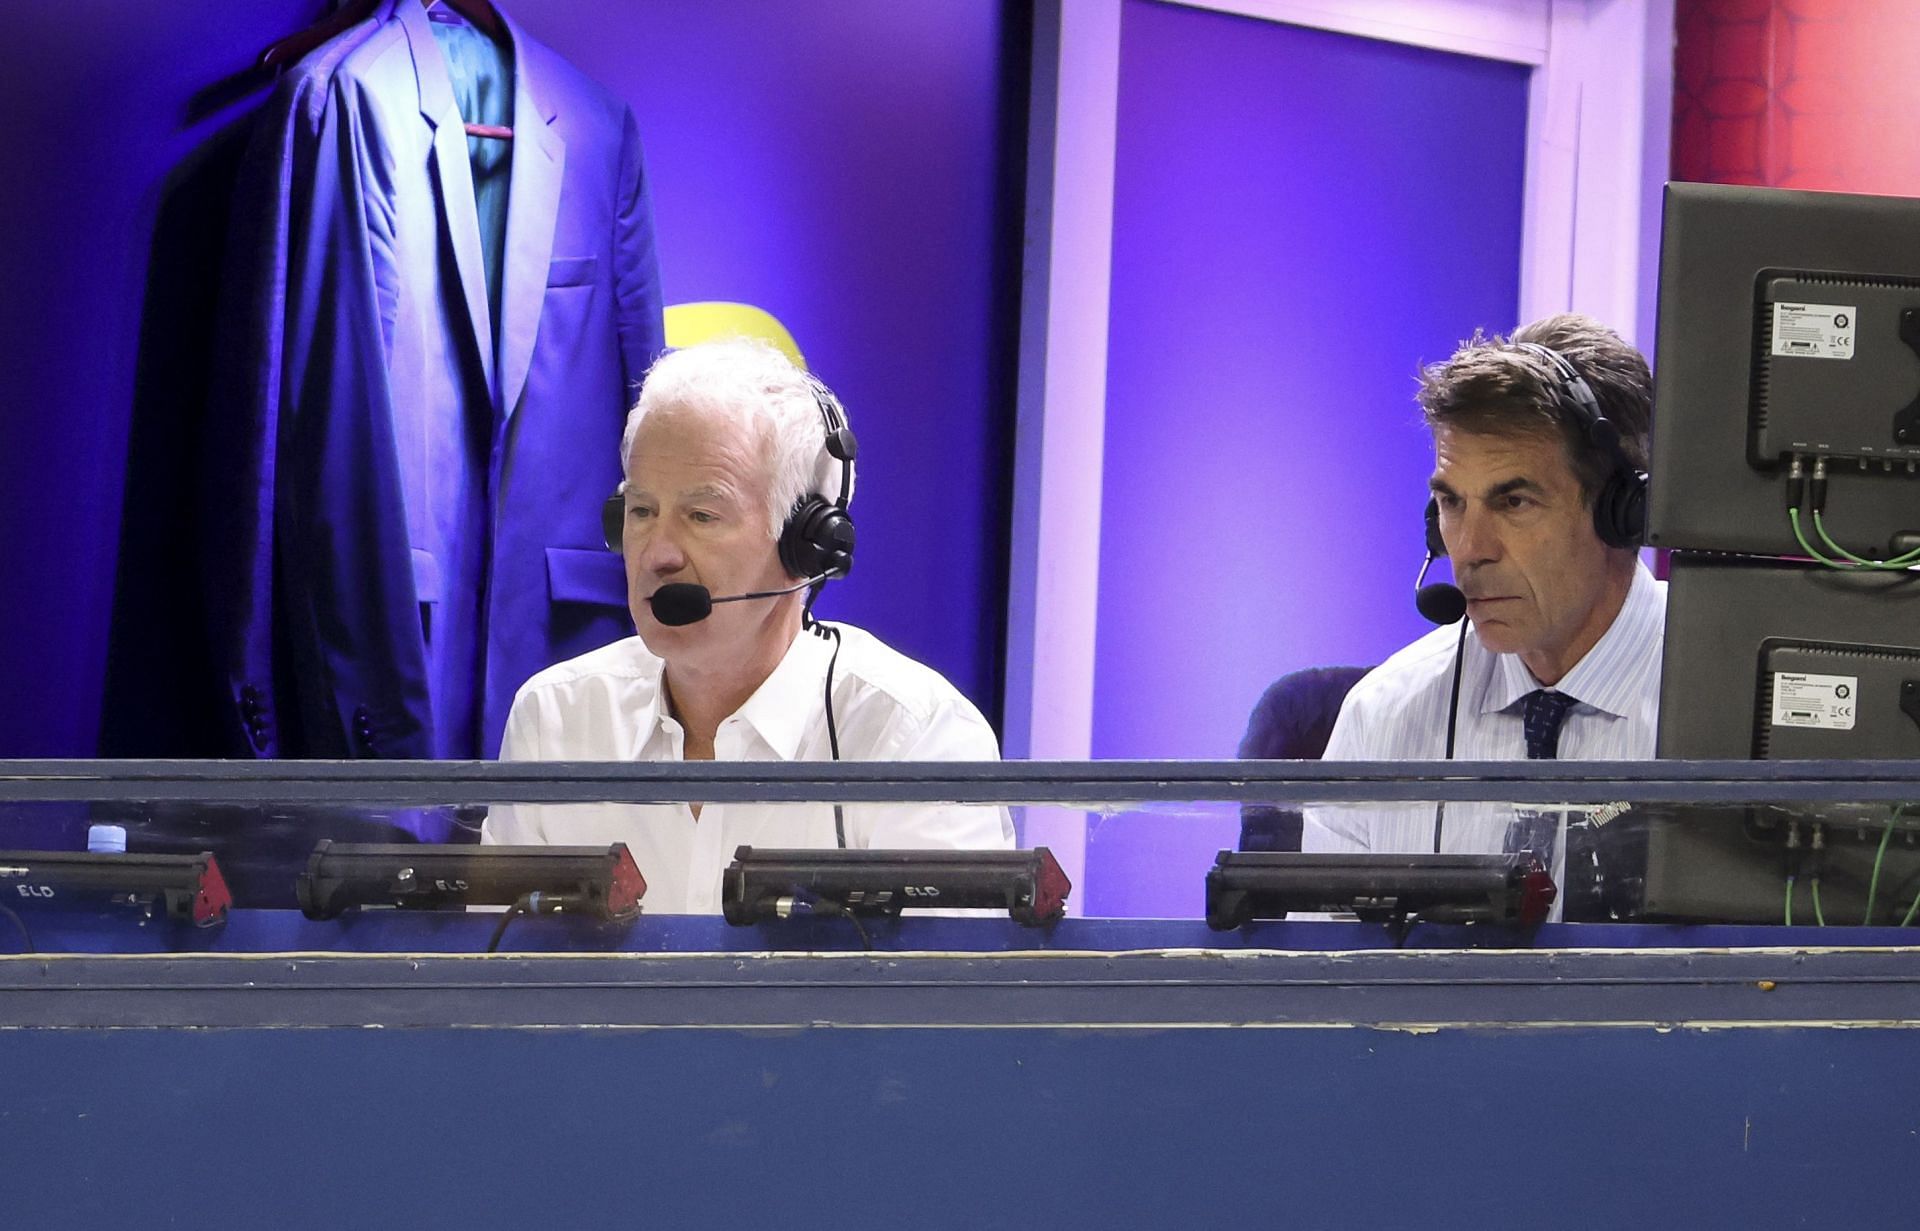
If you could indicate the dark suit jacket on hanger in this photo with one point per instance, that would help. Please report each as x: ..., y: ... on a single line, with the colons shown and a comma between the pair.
x: 434, y: 493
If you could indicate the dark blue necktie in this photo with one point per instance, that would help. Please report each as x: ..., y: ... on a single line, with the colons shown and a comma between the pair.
x: 1539, y: 831
x: 1545, y: 712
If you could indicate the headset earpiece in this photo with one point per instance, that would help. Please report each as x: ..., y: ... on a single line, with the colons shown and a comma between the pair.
x: 613, y: 518
x: 818, y: 538
x: 818, y: 534
x: 1620, y: 509
x: 1436, y: 545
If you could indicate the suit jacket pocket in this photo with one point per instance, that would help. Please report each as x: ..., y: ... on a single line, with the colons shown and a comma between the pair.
x: 575, y: 575
x: 572, y: 270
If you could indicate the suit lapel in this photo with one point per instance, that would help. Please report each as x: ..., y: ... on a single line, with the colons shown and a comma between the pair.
x: 533, y: 204
x: 453, y: 177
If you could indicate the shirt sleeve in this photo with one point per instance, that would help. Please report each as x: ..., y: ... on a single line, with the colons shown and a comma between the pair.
x: 517, y: 824
x: 954, y: 731
x: 1331, y: 828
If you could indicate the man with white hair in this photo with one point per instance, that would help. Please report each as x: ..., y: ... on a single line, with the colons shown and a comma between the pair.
x: 739, y: 468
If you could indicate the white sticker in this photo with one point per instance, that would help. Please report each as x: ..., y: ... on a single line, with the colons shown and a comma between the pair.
x: 1824, y: 701
x: 1814, y: 330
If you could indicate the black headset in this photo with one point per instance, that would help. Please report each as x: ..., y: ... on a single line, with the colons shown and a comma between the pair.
x: 1620, y: 506
x: 817, y: 537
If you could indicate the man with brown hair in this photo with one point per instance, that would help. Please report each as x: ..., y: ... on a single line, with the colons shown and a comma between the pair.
x: 1540, y: 453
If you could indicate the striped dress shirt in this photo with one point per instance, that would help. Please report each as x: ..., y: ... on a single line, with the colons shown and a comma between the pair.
x: 1399, y: 713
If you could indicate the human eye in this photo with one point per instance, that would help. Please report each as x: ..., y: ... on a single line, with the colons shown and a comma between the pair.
x: 703, y: 517
x: 639, y: 512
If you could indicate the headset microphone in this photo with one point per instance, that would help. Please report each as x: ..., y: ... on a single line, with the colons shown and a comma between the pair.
x: 1439, y: 602
x: 685, y: 602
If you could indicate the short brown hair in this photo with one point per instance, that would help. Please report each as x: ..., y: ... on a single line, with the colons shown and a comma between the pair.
x: 1493, y: 386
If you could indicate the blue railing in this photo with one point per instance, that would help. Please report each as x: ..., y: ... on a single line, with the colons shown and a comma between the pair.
x: 413, y: 783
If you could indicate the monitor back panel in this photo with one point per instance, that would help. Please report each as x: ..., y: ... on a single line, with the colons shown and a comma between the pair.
x: 1728, y: 410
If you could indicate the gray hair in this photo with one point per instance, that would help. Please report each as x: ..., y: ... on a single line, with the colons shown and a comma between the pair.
x: 750, y: 383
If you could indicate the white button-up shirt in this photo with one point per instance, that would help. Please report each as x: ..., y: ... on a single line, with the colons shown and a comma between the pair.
x: 1398, y: 712
x: 611, y: 705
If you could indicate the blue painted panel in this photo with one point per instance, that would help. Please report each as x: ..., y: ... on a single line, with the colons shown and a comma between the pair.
x: 409, y: 931
x: 960, y: 1128
x: 1300, y: 220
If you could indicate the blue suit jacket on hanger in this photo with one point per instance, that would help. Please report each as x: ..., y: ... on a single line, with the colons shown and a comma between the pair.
x: 424, y: 526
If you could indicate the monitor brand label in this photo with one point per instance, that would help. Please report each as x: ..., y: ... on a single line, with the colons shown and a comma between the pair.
x: 1814, y: 330
x: 1828, y: 702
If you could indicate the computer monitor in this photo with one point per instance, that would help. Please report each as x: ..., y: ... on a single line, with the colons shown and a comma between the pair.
x: 1771, y: 660
x: 1789, y: 328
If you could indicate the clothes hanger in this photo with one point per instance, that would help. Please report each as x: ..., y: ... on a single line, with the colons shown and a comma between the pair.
x: 294, y: 46
x: 482, y: 17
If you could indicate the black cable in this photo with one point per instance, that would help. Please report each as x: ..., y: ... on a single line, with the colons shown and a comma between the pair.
x: 831, y: 633
x: 26, y: 937
x: 825, y: 908
x: 522, y: 905
x: 1453, y: 717
x: 859, y: 927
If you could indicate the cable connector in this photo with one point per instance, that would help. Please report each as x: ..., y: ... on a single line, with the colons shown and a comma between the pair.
x: 1793, y: 867
x: 1816, y: 858
x: 1817, y: 489
x: 1796, y: 483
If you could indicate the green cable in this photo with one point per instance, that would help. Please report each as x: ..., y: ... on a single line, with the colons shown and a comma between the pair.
x: 1793, y: 515
x: 1789, y: 921
x: 1898, y: 562
x: 1873, y: 884
x: 1818, y: 917
x: 1899, y: 811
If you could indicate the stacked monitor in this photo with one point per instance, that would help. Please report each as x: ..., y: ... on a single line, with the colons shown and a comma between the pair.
x: 1786, y: 476
x: 1789, y: 329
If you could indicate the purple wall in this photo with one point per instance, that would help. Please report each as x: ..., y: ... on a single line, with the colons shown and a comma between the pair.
x: 839, y: 165
x: 1300, y: 220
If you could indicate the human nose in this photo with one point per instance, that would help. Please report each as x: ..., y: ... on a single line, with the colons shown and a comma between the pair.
x: 652, y: 548
x: 1472, y: 537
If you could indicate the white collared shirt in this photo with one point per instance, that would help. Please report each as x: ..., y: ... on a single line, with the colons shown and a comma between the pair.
x: 610, y: 705
x: 1398, y: 712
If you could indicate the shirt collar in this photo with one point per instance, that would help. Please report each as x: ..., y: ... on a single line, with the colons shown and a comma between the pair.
x: 1597, y: 679
x: 788, y: 703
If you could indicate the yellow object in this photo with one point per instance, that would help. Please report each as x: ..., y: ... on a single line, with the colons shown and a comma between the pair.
x: 689, y: 324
